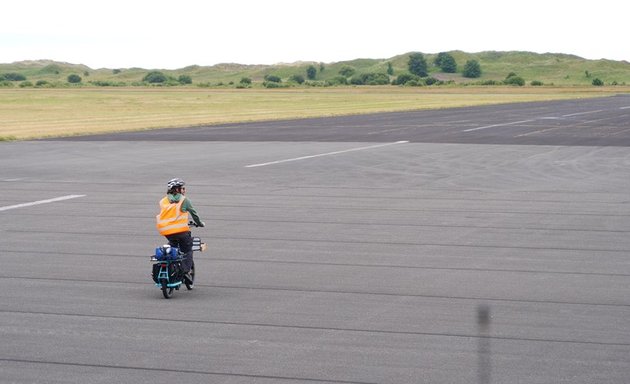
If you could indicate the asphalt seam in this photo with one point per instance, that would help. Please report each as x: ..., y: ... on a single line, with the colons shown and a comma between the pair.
x: 332, y: 329
x: 180, y: 371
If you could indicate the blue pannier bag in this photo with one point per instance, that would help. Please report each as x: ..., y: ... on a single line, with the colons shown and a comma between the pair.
x: 166, y: 252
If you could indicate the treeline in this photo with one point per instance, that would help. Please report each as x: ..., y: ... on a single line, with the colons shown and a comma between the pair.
x: 416, y: 74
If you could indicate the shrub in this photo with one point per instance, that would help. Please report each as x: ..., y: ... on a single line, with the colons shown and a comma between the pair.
x: 597, y: 82
x: 514, y: 79
x: 297, y: 79
x: 273, y: 84
x: 116, y: 71
x: 356, y: 80
x: 373, y: 78
x: 273, y: 79
x: 417, y: 64
x: 155, y: 77
x: 317, y: 83
x: 390, y: 69
x: 184, y: 79
x: 338, y: 80
x: 12, y: 76
x: 347, y: 71
x: 472, y: 69
x: 536, y: 83
x: 25, y: 84
x: 246, y: 81
x: 404, y: 78
x: 6, y: 83
x: 74, y: 79
x: 41, y: 83
x: 108, y: 83
x: 431, y: 81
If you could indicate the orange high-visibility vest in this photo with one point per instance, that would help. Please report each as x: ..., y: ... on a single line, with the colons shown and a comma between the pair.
x: 171, y: 218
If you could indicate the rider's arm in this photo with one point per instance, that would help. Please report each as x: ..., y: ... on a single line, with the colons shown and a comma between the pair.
x: 187, y: 207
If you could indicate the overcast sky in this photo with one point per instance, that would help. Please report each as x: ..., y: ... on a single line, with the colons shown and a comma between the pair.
x: 161, y: 34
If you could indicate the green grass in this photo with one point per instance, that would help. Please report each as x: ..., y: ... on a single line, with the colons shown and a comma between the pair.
x: 49, y: 112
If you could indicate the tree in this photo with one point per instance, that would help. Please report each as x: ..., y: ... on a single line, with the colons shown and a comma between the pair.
x: 311, y: 72
x: 446, y: 62
x: 74, y: 79
x: 155, y: 77
x: 418, y: 64
x: 472, y: 69
x: 347, y: 71
x: 390, y: 69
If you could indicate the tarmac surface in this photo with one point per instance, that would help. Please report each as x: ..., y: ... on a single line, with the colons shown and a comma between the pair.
x: 472, y: 245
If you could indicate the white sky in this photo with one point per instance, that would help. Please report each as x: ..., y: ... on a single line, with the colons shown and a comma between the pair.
x: 160, y: 34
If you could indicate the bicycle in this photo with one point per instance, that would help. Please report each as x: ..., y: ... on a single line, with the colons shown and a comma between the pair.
x: 167, y: 271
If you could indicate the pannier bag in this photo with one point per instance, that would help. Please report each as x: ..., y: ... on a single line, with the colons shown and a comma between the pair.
x: 175, y: 272
x: 166, y: 252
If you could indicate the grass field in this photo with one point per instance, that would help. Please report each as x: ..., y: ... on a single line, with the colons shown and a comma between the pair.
x: 40, y: 113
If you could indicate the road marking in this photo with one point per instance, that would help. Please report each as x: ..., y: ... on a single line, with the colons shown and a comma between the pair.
x: 497, y: 125
x: 582, y: 113
x: 68, y: 197
x: 324, y: 154
x: 628, y: 107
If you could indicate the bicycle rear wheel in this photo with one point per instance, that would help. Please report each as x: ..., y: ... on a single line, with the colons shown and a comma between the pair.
x: 166, y: 291
x: 190, y: 283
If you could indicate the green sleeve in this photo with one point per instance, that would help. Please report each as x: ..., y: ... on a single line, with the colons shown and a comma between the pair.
x: 187, y: 207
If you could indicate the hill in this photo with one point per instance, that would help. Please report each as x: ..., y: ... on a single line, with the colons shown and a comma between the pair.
x: 548, y: 68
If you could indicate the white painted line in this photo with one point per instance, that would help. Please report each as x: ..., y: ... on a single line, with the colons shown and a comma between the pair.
x: 497, y: 125
x: 582, y: 113
x: 68, y: 197
x: 324, y: 154
x: 628, y: 107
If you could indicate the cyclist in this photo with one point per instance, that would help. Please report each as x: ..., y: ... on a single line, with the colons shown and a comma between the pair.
x: 172, y: 221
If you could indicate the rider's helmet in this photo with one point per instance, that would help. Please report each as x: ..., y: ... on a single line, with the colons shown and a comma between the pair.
x: 175, y: 184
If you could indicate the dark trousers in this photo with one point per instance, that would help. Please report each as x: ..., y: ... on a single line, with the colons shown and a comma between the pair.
x: 184, y: 242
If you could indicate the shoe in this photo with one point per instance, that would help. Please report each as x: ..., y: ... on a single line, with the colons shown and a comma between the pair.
x: 188, y: 277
